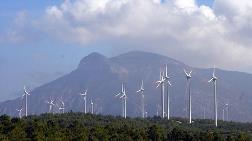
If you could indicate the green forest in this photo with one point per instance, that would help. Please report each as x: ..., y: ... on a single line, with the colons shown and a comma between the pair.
x: 87, y: 127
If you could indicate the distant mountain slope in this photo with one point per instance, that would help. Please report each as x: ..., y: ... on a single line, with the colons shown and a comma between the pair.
x: 103, y: 77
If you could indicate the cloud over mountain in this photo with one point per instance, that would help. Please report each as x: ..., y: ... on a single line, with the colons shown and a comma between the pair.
x: 196, y: 34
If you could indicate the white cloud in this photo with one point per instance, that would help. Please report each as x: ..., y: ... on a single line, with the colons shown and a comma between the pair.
x: 198, y: 35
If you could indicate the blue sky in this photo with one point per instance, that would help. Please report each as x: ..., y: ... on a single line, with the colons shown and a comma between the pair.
x: 44, y: 56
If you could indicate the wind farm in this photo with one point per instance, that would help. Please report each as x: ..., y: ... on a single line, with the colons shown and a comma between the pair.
x: 133, y: 70
x: 146, y: 95
x: 141, y: 99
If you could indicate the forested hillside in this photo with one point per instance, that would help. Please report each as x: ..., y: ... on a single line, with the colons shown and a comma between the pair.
x: 78, y: 126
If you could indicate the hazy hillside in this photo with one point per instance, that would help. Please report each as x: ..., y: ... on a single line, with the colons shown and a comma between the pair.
x: 103, y: 76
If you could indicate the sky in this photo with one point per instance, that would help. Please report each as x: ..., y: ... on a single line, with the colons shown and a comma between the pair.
x: 43, y: 40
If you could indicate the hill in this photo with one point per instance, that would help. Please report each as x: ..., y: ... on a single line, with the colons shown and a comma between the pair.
x: 103, y: 77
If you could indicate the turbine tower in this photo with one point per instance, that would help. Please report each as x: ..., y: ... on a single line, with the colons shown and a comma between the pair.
x: 92, y: 107
x: 168, y: 94
x: 204, y: 113
x: 214, y: 80
x: 51, y: 104
x: 161, y: 83
x: 84, y: 94
x: 223, y: 113
x: 20, y: 112
x: 227, y: 108
x: 141, y: 91
x: 158, y: 108
x: 26, y: 93
x: 188, y: 87
x: 121, y: 93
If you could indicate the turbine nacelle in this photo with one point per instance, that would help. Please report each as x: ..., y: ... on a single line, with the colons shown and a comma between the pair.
x: 124, y: 96
x: 141, y: 88
x: 19, y: 110
x: 159, y: 82
x: 25, y: 92
x: 122, y: 93
x: 188, y: 74
x: 51, y: 101
x: 214, y: 78
x: 84, y: 93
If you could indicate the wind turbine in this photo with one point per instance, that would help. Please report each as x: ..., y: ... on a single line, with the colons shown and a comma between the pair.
x: 124, y: 97
x: 26, y: 93
x: 168, y: 94
x: 51, y: 104
x: 121, y: 93
x: 92, y: 107
x: 20, y: 112
x: 84, y: 94
x: 141, y: 91
x: 62, y: 106
x: 161, y: 83
x: 188, y: 79
x: 214, y: 80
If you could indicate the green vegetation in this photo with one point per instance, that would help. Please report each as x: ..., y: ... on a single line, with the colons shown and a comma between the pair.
x: 78, y: 127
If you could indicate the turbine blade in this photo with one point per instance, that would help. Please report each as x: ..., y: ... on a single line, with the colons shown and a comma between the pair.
x: 185, y: 71
x: 117, y: 94
x: 122, y: 96
x: 166, y: 71
x: 214, y: 71
x: 190, y: 73
x: 169, y: 83
x: 210, y: 80
x: 122, y: 87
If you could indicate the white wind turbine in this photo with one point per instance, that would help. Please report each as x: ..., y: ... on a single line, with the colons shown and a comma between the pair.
x: 124, y: 97
x: 51, y: 104
x: 84, y: 94
x: 168, y: 93
x: 161, y: 83
x: 120, y: 93
x: 26, y: 93
x: 20, y: 112
x: 214, y: 80
x: 141, y: 91
x: 188, y: 87
x: 61, y: 106
x: 92, y: 107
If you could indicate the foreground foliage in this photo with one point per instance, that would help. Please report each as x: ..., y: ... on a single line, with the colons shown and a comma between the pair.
x: 87, y: 127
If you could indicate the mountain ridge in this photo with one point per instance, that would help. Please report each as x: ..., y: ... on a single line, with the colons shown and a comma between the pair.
x: 102, y: 76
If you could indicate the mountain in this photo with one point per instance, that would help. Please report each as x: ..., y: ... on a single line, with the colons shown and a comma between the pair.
x: 103, y: 77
